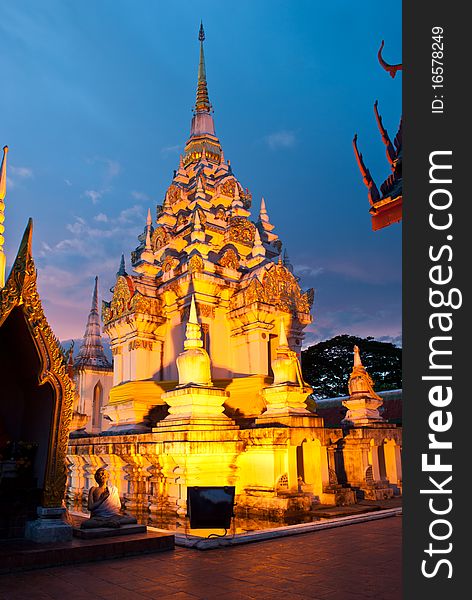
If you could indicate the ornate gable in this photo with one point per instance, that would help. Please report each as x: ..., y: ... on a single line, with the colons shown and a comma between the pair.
x: 20, y: 292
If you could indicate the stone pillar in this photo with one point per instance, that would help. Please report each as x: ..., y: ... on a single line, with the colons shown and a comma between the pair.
x: 77, y: 494
x: 136, y: 497
x: 144, y: 361
x: 117, y: 352
x: 157, y: 493
x: 374, y: 453
x: 257, y: 340
x: 398, y: 462
x: 292, y: 470
x: 392, y: 463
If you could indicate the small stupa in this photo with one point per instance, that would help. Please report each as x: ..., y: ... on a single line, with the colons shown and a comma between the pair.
x: 286, y: 398
x: 363, y: 403
x: 195, y: 402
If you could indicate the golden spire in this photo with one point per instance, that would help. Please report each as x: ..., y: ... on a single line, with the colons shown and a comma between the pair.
x: 3, y: 192
x: 202, y: 103
x: 193, y: 332
x: 283, y: 342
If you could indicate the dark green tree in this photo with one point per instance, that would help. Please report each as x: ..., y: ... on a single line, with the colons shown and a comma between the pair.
x: 327, y: 365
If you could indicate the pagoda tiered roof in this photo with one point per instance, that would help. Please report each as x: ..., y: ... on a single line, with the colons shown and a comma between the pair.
x: 203, y: 224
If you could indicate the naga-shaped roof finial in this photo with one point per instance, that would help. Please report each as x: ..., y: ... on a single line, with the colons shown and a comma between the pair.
x: 392, y: 69
x: 391, y: 154
x: 374, y: 195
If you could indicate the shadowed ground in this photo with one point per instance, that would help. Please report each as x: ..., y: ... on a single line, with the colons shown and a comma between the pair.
x: 347, y: 563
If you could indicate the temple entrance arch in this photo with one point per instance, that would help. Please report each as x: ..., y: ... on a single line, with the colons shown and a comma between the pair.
x: 26, y: 407
x: 36, y: 395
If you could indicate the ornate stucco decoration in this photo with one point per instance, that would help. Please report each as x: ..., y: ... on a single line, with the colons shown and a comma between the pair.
x: 229, y: 259
x: 159, y: 238
x: 279, y: 288
x: 195, y: 264
x: 242, y: 230
x: 21, y: 292
x: 169, y: 263
x: 128, y: 301
x: 174, y: 194
x: 227, y: 188
x: 182, y: 220
x: 203, y: 310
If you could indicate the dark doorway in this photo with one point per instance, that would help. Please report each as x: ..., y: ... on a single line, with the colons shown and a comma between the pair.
x: 26, y: 413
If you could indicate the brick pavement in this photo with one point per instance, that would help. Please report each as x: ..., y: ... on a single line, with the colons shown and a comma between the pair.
x: 346, y: 563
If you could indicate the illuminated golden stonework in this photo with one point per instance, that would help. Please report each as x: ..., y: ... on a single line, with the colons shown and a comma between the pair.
x: 20, y: 293
x: 128, y: 301
x: 279, y: 288
x: 230, y: 259
x: 242, y: 230
x: 206, y: 335
x: 195, y: 264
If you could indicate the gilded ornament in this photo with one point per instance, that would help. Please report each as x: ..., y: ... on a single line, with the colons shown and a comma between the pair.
x: 159, y: 238
x: 279, y: 288
x: 242, y: 230
x: 21, y: 291
x: 170, y: 262
x: 174, y: 194
x: 135, y: 344
x: 182, y: 219
x: 195, y: 264
x: 127, y: 301
x: 228, y: 187
x: 229, y: 259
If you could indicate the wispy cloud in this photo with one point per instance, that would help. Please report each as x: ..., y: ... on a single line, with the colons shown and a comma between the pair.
x: 308, y: 270
x: 281, y: 139
x: 21, y: 172
x: 94, y: 195
x: 15, y: 175
x: 98, y: 241
x: 112, y: 167
x: 140, y: 196
x: 109, y: 173
x: 167, y: 150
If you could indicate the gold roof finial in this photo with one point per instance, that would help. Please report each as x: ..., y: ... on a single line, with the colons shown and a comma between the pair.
x: 201, y: 33
x: 3, y: 192
x: 202, y: 103
x: 193, y: 332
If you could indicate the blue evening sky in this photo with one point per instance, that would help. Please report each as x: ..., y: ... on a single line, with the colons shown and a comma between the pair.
x: 96, y: 105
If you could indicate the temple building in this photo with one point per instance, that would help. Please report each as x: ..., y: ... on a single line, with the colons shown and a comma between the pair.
x: 386, y: 204
x: 203, y: 244
x: 206, y: 327
x: 92, y: 373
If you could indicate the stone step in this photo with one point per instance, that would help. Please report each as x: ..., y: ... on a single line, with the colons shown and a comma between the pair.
x: 19, y: 555
x: 102, y: 532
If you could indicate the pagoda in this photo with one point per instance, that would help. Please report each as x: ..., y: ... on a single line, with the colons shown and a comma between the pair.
x: 386, y: 203
x: 206, y: 327
x: 203, y: 244
x: 92, y: 373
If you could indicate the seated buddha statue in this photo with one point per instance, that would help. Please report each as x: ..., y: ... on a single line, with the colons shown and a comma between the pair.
x: 104, y: 505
